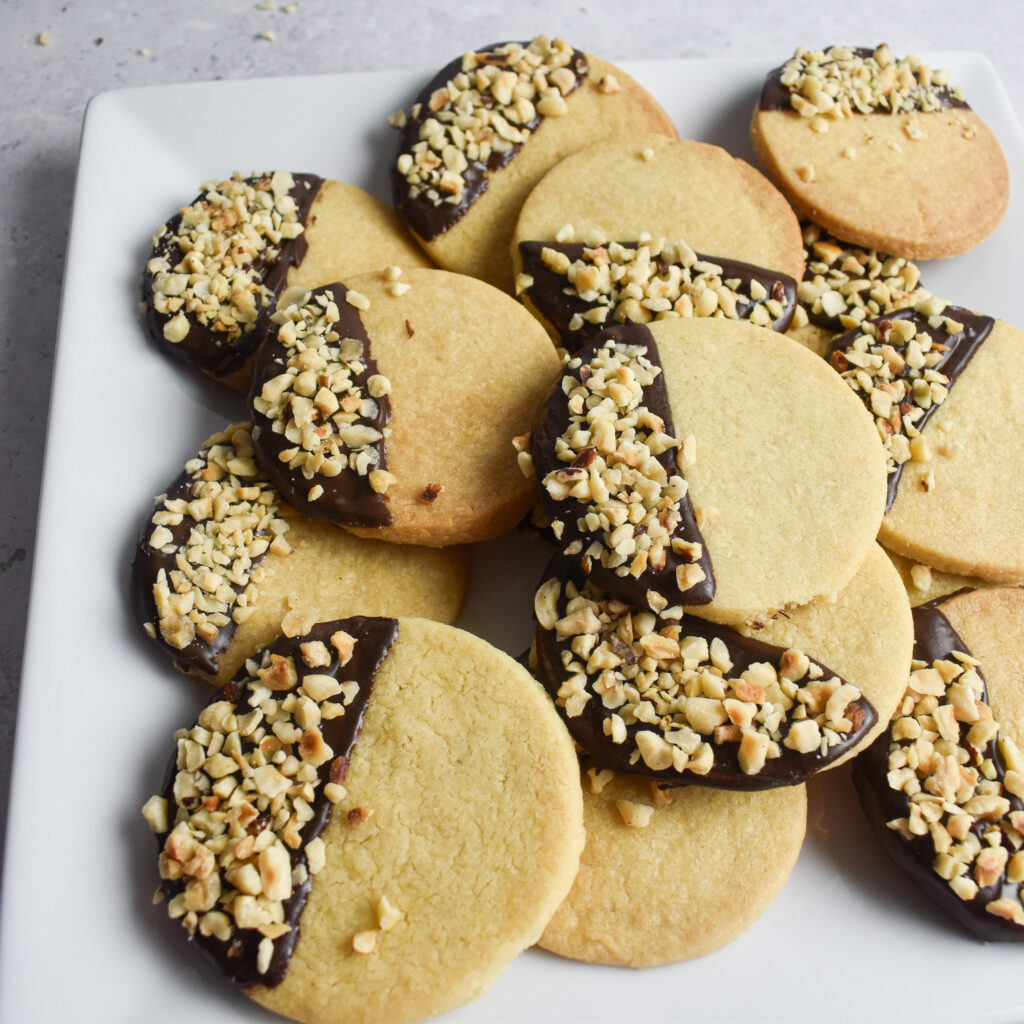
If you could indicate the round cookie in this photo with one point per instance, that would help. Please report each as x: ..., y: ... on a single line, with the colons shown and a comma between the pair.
x: 943, y: 788
x: 275, y: 571
x: 880, y: 152
x: 431, y: 376
x: 950, y: 376
x: 210, y: 310
x: 521, y: 109
x: 454, y: 824
x: 845, y: 283
x: 643, y: 185
x: 680, y: 883
x: 680, y: 700
x: 784, y: 470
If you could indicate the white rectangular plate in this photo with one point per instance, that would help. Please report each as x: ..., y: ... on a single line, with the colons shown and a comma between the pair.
x: 847, y: 940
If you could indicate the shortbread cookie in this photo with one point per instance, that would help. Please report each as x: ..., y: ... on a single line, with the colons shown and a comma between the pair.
x: 944, y: 787
x: 942, y: 383
x: 579, y: 290
x: 209, y: 308
x: 388, y: 405
x: 672, y: 876
x: 223, y: 566
x: 784, y: 469
x: 882, y: 152
x: 484, y: 131
x: 681, y: 700
x: 844, y: 284
x: 373, y: 791
x: 695, y: 196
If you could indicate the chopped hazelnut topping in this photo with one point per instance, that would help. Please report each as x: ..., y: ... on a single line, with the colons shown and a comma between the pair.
x: 210, y: 269
x: 844, y: 284
x: 672, y: 696
x: 942, y: 756
x: 658, y: 280
x: 324, y: 402
x: 217, y: 530
x: 891, y: 365
x: 842, y: 81
x: 247, y: 776
x: 610, y: 448
x: 487, y: 109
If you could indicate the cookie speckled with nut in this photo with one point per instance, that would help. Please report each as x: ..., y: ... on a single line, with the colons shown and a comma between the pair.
x: 308, y: 841
x: 487, y: 127
x: 881, y: 151
x: 218, y: 265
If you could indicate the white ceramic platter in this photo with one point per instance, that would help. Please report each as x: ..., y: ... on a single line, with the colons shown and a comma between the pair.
x: 847, y: 940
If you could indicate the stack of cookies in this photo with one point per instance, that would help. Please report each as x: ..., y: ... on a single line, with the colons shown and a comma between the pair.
x: 712, y: 395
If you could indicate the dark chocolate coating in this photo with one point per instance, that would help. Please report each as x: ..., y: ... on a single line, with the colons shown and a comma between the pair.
x: 934, y: 638
x: 587, y: 729
x: 198, y: 655
x: 348, y: 499
x: 424, y: 217
x: 236, y: 958
x: 553, y: 420
x: 558, y: 302
x: 961, y: 347
x: 204, y: 348
x: 775, y: 96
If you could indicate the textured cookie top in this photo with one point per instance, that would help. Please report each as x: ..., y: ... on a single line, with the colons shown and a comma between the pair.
x: 609, y: 479
x: 321, y: 409
x: 672, y: 876
x: 676, y: 698
x: 467, y: 819
x: 902, y: 368
x: 580, y: 288
x: 845, y: 283
x: 471, y: 120
x: 844, y: 80
x: 250, y: 791
x: 218, y: 264
x: 787, y: 473
x: 195, y: 576
x: 646, y: 185
x: 468, y: 368
x: 944, y: 785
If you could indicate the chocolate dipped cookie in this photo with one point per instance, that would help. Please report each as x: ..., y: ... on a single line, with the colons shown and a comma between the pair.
x: 224, y: 566
x: 219, y: 264
x: 943, y: 788
x: 942, y: 385
x: 487, y: 127
x: 358, y: 798
x: 881, y: 151
x: 644, y: 227
x: 708, y: 463
x: 682, y: 701
x: 387, y: 404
